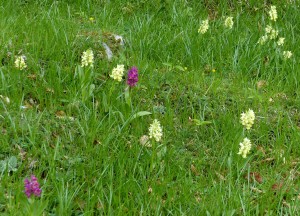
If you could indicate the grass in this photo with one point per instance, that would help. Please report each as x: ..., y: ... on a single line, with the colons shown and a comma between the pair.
x: 84, y: 145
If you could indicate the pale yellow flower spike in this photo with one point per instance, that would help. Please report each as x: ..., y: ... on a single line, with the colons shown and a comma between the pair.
x: 273, y: 13
x: 87, y: 58
x: 155, y: 130
x: 287, y: 54
x: 228, y: 22
x: 263, y: 39
x: 273, y: 34
x: 245, y: 147
x: 203, y: 27
x: 20, y: 62
x: 280, y: 41
x: 117, y: 73
x: 247, y: 119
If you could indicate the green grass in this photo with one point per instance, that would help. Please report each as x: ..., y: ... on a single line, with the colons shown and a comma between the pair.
x: 95, y: 164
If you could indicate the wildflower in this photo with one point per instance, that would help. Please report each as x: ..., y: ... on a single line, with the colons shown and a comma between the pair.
x: 203, y: 27
x: 32, y: 187
x: 273, y: 13
x: 263, y: 39
x: 287, y: 54
x: 247, y: 119
x: 117, y: 73
x: 270, y: 33
x: 273, y: 34
x: 155, y: 130
x: 268, y: 29
x: 228, y: 22
x: 245, y: 147
x: 92, y: 19
x: 20, y: 62
x: 280, y: 41
x: 87, y: 58
x: 132, y: 77
x: 144, y: 141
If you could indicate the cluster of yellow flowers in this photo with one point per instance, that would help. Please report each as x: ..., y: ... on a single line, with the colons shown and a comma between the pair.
x: 287, y: 54
x: 263, y: 39
x: 280, y: 41
x: 87, y: 58
x: 247, y: 120
x: 273, y: 13
x: 155, y: 130
x: 204, y: 26
x: 20, y: 62
x: 245, y: 147
x: 271, y: 33
x: 117, y: 73
x: 228, y: 22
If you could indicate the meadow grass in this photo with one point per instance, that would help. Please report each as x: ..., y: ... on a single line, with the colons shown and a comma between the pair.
x: 78, y: 130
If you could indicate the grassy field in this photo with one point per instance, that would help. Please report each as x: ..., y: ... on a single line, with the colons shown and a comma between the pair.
x: 85, y: 136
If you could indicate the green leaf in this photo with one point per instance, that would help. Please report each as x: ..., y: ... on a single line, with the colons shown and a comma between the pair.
x: 78, y: 71
x: 64, y: 100
x: 168, y: 64
x: 139, y: 114
x: 179, y: 68
x: 12, y: 164
x: 91, y: 89
x: 3, y: 165
x: 162, y: 152
x: 136, y: 115
x: 199, y: 122
x: 127, y: 96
